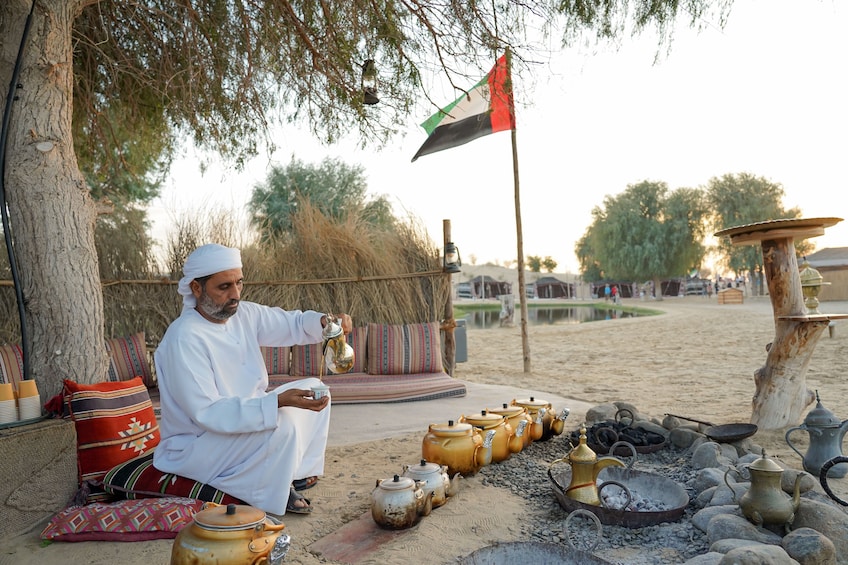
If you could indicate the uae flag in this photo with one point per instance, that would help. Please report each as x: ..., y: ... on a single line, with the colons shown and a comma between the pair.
x: 487, y: 108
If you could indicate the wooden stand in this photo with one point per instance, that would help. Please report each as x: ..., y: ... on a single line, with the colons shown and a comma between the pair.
x: 781, y: 390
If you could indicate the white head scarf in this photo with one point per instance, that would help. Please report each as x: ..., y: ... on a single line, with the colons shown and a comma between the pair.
x: 204, y: 261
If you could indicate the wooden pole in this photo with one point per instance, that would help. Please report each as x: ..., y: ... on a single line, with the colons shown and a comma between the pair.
x: 522, y: 295
x: 449, y: 323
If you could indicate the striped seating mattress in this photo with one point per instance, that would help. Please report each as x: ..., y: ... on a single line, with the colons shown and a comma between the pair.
x: 361, y: 388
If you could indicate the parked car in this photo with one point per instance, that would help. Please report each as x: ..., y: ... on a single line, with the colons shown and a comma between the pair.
x: 463, y: 290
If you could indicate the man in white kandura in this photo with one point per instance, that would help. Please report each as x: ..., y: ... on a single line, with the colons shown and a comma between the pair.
x: 219, y: 426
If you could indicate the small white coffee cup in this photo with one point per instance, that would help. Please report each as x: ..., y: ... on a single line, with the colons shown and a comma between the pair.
x: 320, y: 391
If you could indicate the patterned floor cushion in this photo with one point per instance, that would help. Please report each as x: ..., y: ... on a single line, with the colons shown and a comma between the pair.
x: 123, y: 520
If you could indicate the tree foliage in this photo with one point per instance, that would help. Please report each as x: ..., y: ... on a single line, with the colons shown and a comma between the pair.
x: 644, y: 233
x: 223, y: 71
x: 333, y: 187
x: 740, y: 199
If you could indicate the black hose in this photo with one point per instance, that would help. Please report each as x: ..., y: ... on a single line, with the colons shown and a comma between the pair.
x: 4, y: 211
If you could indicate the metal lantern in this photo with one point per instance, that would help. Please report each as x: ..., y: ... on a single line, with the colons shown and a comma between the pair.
x: 811, y: 283
x: 452, y: 261
x: 369, y: 82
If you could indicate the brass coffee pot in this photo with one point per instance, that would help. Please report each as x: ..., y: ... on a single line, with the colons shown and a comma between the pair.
x: 338, y: 354
x: 236, y: 534
x: 765, y: 502
x: 585, y: 466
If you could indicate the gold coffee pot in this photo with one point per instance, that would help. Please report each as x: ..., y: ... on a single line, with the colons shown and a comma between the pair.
x: 338, y: 354
x: 765, y: 502
x: 236, y: 534
x: 585, y: 466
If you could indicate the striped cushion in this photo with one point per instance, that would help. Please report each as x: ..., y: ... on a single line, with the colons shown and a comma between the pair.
x: 114, y: 422
x: 404, y: 349
x: 306, y: 360
x: 128, y: 359
x: 138, y: 478
x: 124, y: 520
x: 277, y: 359
x: 11, y: 365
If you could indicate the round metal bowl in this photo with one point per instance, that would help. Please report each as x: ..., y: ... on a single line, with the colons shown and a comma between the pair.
x: 730, y: 432
x: 649, y: 485
x: 524, y: 552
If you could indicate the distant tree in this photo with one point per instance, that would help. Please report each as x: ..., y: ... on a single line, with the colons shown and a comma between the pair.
x: 332, y: 186
x: 534, y: 263
x: 646, y: 233
x: 740, y: 199
x: 549, y: 264
x: 590, y: 268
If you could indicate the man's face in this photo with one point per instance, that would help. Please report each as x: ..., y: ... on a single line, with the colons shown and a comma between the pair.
x: 219, y: 298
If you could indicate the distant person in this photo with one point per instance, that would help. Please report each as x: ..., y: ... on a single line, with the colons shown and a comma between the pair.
x: 614, y: 293
x: 607, y: 293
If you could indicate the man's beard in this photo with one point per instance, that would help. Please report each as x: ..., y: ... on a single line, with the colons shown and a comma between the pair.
x: 214, y: 310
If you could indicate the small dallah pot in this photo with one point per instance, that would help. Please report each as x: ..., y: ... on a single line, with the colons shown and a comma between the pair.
x: 459, y: 446
x: 235, y: 534
x: 506, y: 441
x: 765, y: 502
x: 435, y: 478
x: 399, y: 502
x: 826, y: 435
x: 515, y: 415
x: 546, y: 423
x: 585, y: 466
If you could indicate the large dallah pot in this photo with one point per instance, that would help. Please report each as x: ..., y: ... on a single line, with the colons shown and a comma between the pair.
x: 506, y: 441
x: 459, y: 446
x: 235, y: 534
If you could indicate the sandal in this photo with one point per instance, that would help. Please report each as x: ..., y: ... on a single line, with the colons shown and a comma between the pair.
x: 303, y: 484
x: 294, y: 497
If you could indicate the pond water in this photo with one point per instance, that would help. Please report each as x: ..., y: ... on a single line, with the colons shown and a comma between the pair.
x: 484, y: 319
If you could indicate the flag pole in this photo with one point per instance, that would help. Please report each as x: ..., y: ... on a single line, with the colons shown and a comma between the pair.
x: 522, y: 295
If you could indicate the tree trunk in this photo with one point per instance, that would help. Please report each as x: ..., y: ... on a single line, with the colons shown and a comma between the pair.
x: 781, y: 389
x: 51, y: 213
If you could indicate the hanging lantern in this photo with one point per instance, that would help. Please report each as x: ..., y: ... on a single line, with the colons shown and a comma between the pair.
x: 369, y: 82
x: 452, y: 261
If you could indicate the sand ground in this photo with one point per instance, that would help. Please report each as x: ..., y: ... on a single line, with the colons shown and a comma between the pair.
x: 696, y: 359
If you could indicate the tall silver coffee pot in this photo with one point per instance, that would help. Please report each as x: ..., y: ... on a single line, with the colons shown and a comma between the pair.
x: 826, y: 434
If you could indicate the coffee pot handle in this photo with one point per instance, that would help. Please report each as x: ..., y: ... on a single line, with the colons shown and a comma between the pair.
x: 789, y: 442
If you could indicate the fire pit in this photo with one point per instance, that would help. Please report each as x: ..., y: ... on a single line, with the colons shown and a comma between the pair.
x: 653, y: 498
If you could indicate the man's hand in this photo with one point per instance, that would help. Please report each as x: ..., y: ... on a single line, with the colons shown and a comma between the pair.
x: 301, y: 398
x: 345, y: 321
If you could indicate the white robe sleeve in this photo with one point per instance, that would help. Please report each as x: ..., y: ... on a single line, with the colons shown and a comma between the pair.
x: 209, y: 402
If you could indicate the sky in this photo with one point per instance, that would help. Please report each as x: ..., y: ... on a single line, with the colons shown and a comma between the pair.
x: 766, y: 95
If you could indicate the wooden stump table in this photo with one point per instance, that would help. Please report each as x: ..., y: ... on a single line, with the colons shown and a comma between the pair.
x: 781, y: 393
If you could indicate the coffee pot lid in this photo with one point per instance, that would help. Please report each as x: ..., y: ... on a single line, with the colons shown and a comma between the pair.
x: 229, y: 517
x: 821, y: 417
x: 423, y: 469
x: 484, y: 419
x: 397, y: 483
x: 765, y: 463
x: 582, y: 453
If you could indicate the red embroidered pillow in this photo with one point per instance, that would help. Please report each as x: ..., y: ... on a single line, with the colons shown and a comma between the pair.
x: 114, y: 422
x: 404, y: 349
x: 138, y: 478
x: 124, y: 520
